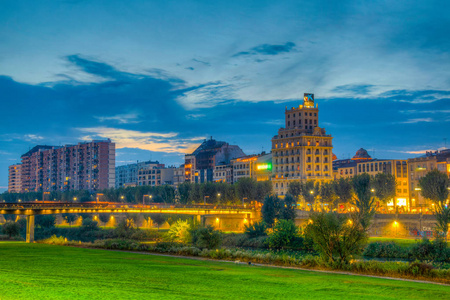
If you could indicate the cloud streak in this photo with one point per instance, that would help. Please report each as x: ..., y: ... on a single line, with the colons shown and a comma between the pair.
x: 268, y: 49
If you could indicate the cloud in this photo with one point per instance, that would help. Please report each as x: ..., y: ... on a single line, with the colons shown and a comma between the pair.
x: 202, y: 62
x: 355, y: 89
x: 418, y: 120
x: 130, y: 118
x: 268, y: 49
x: 153, y: 141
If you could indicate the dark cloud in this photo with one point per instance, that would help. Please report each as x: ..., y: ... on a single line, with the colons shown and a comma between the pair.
x: 357, y: 89
x: 268, y: 49
x: 202, y: 62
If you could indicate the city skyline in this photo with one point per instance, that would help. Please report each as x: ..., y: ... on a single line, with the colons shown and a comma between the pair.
x: 157, y: 86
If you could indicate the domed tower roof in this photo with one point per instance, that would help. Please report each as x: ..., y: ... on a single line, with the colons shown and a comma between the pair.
x: 361, y: 154
x: 334, y: 157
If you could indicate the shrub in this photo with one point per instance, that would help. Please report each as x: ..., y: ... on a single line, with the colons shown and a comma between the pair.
x: 336, y: 238
x: 206, y: 237
x: 11, y: 228
x: 425, y: 250
x: 284, y: 234
x: 179, y: 232
x: 55, y: 240
x: 386, y: 250
x: 256, y: 229
x: 45, y: 221
x: 89, y: 225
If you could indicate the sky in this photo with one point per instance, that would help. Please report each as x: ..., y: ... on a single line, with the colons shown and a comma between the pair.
x: 159, y: 77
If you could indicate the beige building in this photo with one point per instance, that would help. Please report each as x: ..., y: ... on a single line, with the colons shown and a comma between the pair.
x: 223, y: 173
x: 243, y: 167
x: 419, y: 167
x: 363, y: 163
x: 14, y: 181
x: 155, y: 176
x: 302, y: 150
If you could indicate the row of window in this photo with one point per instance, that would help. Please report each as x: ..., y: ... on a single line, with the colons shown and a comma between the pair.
x: 292, y: 144
x: 300, y: 114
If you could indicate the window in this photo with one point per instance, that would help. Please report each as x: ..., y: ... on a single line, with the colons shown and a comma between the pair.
x: 310, y: 114
x: 294, y: 115
x: 315, y: 114
x: 289, y: 116
x: 289, y: 123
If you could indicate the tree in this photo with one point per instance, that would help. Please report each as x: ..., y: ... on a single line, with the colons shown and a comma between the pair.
x: 206, y: 237
x: 89, y: 225
x: 263, y: 189
x: 309, y: 192
x: 295, y: 189
x: 46, y: 221
x: 11, y: 228
x: 363, y: 201
x: 344, y: 190
x: 384, y: 186
x: 179, y: 232
x: 434, y: 186
x: 327, y: 194
x: 246, y: 188
x: 158, y: 219
x: 284, y: 234
x: 104, y: 218
x: 256, y: 229
x: 335, y: 237
x: 184, y: 190
x: 288, y: 208
x: 271, y: 209
x: 70, y: 218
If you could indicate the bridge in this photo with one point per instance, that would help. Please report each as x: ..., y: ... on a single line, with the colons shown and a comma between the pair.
x: 30, y: 209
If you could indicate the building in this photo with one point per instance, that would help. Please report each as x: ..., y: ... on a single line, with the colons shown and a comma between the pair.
x: 178, y: 176
x: 156, y: 176
x: 223, y: 173
x: 86, y: 166
x: 419, y: 167
x: 243, y: 167
x: 301, y: 150
x: 127, y: 175
x: 14, y: 180
x: 363, y: 163
x: 262, y: 167
x: 200, y: 165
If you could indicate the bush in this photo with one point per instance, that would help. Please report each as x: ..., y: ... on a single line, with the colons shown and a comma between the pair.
x: 386, y: 250
x: 89, y: 225
x: 256, y: 229
x: 45, y: 221
x: 335, y: 237
x: 179, y: 232
x: 285, y: 234
x: 425, y: 250
x: 11, y: 228
x: 206, y: 237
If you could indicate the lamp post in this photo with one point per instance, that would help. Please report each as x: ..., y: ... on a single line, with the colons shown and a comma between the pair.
x: 218, y: 196
x: 243, y: 200
x: 204, y: 199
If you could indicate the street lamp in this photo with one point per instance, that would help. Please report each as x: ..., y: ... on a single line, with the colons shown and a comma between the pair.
x: 243, y: 203
x: 74, y: 198
x: 204, y: 199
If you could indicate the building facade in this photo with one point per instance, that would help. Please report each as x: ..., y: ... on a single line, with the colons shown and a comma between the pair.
x: 156, y: 176
x: 127, y: 175
x: 200, y: 165
x: 419, y: 167
x: 14, y: 178
x: 301, y: 150
x: 85, y: 166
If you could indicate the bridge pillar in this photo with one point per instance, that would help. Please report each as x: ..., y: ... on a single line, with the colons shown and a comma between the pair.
x: 30, y: 228
x: 199, y: 219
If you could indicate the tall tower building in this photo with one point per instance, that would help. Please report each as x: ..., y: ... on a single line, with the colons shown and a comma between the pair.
x: 302, y: 150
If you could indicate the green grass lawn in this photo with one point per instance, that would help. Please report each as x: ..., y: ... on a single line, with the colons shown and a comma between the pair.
x: 38, y: 271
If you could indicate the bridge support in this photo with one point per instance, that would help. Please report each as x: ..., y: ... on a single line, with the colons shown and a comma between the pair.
x: 30, y: 228
x: 199, y: 219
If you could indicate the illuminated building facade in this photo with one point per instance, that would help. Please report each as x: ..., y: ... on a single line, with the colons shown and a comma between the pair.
x: 223, y: 173
x: 243, y: 167
x: 14, y: 180
x: 419, y: 167
x: 86, y: 166
x: 262, y: 168
x: 301, y: 150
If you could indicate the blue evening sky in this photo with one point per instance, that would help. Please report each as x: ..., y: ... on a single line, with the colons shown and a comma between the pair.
x: 157, y: 77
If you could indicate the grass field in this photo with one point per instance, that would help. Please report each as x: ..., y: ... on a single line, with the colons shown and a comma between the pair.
x: 38, y: 271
